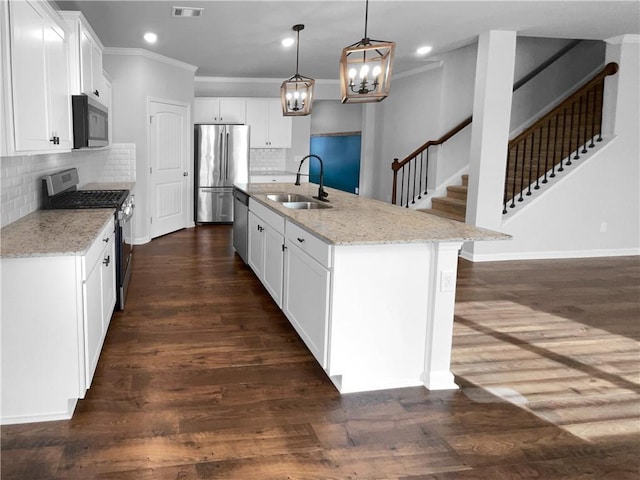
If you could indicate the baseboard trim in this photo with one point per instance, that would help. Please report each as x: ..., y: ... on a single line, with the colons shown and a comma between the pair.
x: 500, y: 257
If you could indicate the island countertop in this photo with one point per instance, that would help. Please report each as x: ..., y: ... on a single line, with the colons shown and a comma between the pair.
x: 356, y: 220
x: 46, y: 233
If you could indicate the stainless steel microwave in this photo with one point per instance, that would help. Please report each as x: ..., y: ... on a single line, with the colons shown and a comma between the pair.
x: 90, y: 122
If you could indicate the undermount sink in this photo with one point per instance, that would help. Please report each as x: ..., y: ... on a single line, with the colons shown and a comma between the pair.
x: 305, y: 205
x: 288, y: 197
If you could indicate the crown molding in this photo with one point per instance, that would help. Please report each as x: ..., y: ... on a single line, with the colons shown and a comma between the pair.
x: 141, y: 52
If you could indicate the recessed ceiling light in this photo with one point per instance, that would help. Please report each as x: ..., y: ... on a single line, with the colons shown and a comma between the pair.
x: 287, y: 42
x: 150, y: 37
x: 423, y: 50
x: 187, y: 11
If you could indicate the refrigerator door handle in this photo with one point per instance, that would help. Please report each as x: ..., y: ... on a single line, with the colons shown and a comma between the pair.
x: 226, y: 158
x: 221, y: 147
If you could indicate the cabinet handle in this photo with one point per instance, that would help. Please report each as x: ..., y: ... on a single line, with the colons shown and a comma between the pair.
x: 105, y: 240
x: 301, y: 240
x: 284, y: 247
x: 260, y: 228
x: 107, y: 260
x: 96, y: 93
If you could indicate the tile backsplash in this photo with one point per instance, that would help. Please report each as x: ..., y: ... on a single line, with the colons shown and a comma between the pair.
x: 20, y: 184
x: 267, y: 159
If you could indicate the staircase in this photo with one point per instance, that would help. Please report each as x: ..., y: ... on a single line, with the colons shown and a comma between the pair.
x: 454, y: 205
x: 555, y: 141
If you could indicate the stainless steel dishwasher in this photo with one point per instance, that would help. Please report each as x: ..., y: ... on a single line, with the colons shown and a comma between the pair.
x: 240, y: 223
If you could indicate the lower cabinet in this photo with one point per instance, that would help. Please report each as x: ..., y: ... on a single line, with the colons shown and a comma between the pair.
x: 294, y: 267
x: 306, y: 299
x: 266, y: 251
x: 53, y: 329
x: 99, y: 298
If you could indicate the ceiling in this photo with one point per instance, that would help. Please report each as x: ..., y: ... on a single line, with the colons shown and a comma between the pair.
x: 241, y: 38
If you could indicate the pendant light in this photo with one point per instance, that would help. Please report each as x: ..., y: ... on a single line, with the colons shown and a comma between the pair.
x: 365, y: 68
x: 296, y: 93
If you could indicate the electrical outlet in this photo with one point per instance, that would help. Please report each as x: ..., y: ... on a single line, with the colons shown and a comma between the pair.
x: 447, y: 281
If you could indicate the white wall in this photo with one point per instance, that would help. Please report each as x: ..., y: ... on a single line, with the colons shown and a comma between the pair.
x: 135, y: 78
x: 593, y: 209
x: 332, y: 116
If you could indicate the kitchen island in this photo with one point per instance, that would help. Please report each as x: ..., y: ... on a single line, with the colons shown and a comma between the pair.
x: 368, y: 286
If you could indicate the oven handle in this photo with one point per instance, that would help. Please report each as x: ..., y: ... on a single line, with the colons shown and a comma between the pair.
x: 126, y: 213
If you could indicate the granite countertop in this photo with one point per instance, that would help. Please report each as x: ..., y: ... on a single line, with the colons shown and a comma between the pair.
x: 50, y: 233
x: 355, y: 220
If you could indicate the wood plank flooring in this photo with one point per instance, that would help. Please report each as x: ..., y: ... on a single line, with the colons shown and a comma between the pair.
x: 202, y: 377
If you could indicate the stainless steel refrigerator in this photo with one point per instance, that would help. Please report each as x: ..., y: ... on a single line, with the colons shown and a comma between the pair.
x: 222, y: 159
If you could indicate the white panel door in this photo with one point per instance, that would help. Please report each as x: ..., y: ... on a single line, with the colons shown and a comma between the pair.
x: 169, y: 167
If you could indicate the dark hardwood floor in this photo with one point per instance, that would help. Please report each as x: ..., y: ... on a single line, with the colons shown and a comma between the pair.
x: 203, y: 378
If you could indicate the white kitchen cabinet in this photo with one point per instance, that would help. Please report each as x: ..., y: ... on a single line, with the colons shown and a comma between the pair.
x: 99, y: 296
x: 269, y: 128
x: 219, y: 110
x: 35, y: 65
x: 55, y: 315
x: 86, y: 57
x: 306, y: 297
x: 266, y: 248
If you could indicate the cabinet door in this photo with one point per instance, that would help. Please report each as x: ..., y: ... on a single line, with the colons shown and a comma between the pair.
x: 257, y: 119
x: 273, y: 263
x: 232, y: 110
x: 29, y: 77
x: 96, y: 72
x: 93, y: 324
x: 256, y: 245
x: 91, y: 65
x: 58, y: 87
x: 306, y: 300
x: 205, y: 110
x: 279, y: 126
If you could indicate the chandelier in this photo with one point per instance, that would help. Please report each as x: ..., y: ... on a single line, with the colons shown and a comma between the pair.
x: 296, y: 93
x: 365, y: 69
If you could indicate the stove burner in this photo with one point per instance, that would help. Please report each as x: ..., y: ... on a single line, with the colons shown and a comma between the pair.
x: 89, y: 199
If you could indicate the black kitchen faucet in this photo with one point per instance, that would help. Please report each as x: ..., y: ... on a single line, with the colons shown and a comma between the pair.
x: 322, y: 195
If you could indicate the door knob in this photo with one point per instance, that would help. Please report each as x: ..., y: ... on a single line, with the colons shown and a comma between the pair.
x: 185, y: 174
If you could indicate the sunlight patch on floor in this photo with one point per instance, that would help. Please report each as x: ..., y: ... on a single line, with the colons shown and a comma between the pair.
x: 581, y: 378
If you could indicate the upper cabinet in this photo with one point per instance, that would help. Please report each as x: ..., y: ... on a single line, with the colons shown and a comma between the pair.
x: 269, y: 128
x: 219, y: 110
x: 86, y: 57
x: 36, y: 102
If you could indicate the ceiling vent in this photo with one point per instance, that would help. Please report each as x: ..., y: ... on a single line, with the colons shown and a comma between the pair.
x: 187, y: 12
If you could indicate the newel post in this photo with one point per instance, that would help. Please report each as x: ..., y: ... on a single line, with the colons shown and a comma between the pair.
x: 394, y: 166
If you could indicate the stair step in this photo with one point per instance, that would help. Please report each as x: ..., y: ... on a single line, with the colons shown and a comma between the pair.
x: 458, y: 191
x: 465, y: 180
x: 439, y: 213
x: 451, y: 205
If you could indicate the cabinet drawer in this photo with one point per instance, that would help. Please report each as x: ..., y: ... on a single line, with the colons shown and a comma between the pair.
x: 312, y: 245
x: 275, y: 220
x: 94, y: 254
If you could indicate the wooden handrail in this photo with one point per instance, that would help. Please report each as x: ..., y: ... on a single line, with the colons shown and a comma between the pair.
x: 396, y: 165
x: 609, y: 69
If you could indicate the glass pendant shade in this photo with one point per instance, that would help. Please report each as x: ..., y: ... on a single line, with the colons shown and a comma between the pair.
x: 296, y: 93
x: 365, y: 69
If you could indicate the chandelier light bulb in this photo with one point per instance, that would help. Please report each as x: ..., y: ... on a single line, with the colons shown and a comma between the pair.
x: 364, y: 71
x: 289, y: 96
x: 376, y: 70
x: 352, y: 73
x: 296, y: 95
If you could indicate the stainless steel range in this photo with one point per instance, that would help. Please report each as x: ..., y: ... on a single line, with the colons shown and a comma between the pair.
x: 60, y: 191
